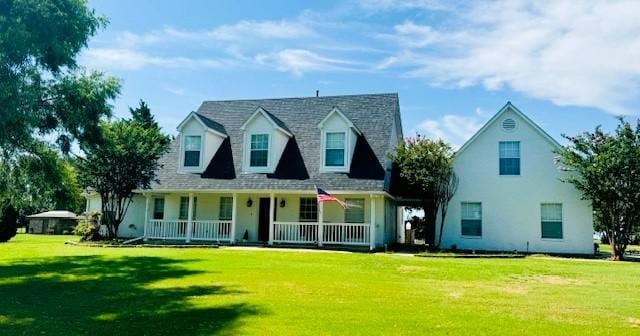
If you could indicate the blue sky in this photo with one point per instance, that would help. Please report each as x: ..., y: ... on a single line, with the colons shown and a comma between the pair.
x: 568, y: 65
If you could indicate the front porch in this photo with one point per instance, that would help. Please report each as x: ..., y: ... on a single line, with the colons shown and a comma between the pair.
x: 282, y: 218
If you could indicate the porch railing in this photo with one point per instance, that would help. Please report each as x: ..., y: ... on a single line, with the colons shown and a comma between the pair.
x: 167, y: 229
x: 295, y: 232
x: 218, y: 230
x: 346, y: 233
x: 332, y: 233
x: 201, y: 230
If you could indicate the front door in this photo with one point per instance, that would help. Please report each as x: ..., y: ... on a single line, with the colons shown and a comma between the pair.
x: 263, y: 219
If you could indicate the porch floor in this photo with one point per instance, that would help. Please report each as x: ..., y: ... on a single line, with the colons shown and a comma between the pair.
x: 208, y: 244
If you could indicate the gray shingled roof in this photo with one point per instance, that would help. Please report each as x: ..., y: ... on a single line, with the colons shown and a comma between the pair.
x: 211, y: 124
x: 278, y: 122
x: 372, y: 114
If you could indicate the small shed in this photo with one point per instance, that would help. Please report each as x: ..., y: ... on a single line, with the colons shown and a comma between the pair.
x: 53, y: 222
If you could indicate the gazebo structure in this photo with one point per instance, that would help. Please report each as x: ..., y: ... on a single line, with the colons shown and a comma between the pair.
x: 53, y: 222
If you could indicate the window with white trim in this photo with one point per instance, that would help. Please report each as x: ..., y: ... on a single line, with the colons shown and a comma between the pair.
x: 183, y: 213
x: 354, y: 213
x: 226, y: 208
x: 471, y: 219
x: 259, y: 150
x: 509, y: 157
x: 308, y: 209
x: 192, y: 148
x: 158, y: 208
x: 334, y: 150
x: 551, y: 220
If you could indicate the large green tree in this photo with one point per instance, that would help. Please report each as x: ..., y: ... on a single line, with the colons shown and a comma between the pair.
x: 424, y: 171
x: 605, y: 167
x: 43, y: 93
x: 41, y: 180
x: 125, y: 161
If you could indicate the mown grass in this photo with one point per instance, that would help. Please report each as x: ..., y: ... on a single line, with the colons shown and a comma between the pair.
x: 50, y: 288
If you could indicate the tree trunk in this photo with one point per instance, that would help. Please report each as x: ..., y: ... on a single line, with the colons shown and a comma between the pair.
x: 442, y: 218
x: 617, y: 253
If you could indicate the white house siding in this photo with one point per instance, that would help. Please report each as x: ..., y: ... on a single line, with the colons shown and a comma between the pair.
x: 133, y: 223
x: 511, y: 204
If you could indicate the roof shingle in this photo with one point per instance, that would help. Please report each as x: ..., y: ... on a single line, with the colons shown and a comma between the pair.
x: 375, y: 115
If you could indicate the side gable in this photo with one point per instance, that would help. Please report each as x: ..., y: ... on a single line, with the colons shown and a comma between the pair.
x: 508, y: 107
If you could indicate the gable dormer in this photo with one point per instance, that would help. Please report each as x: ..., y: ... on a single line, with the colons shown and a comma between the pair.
x: 338, y: 141
x: 200, y: 139
x: 265, y: 138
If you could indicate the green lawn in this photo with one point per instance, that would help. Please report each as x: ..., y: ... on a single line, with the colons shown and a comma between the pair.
x: 50, y: 288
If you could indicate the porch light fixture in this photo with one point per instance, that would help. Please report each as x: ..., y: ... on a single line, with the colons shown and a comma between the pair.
x: 249, y: 202
x: 282, y: 203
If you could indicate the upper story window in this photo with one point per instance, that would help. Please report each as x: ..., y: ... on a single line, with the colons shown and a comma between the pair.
x: 334, y: 149
x: 259, y: 156
x: 192, y: 148
x: 338, y: 142
x: 509, y: 157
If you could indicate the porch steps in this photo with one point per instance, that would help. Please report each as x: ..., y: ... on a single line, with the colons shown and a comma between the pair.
x: 132, y: 240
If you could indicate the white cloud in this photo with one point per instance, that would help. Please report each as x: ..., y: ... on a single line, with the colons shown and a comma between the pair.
x: 241, y: 31
x: 454, y: 129
x: 263, y: 30
x: 568, y: 52
x: 411, y: 35
x: 299, y: 61
x: 404, y: 4
x: 127, y: 59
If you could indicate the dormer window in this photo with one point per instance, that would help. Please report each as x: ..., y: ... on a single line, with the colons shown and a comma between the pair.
x: 335, y: 149
x: 259, y: 156
x: 265, y: 138
x: 200, y: 139
x: 338, y: 140
x: 192, y: 149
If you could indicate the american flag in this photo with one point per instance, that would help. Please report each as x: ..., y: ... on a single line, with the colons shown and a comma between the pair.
x: 324, y: 196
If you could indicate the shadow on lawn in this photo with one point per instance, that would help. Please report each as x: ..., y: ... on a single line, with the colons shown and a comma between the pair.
x: 94, y: 295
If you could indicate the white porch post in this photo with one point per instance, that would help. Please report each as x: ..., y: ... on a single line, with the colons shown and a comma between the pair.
x: 189, y: 219
x: 272, y: 211
x: 400, y: 225
x: 146, y: 217
x: 372, y: 225
x: 234, y: 212
x: 320, y: 222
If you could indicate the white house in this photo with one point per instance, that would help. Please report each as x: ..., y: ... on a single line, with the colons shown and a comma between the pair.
x: 510, y: 196
x: 246, y: 171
